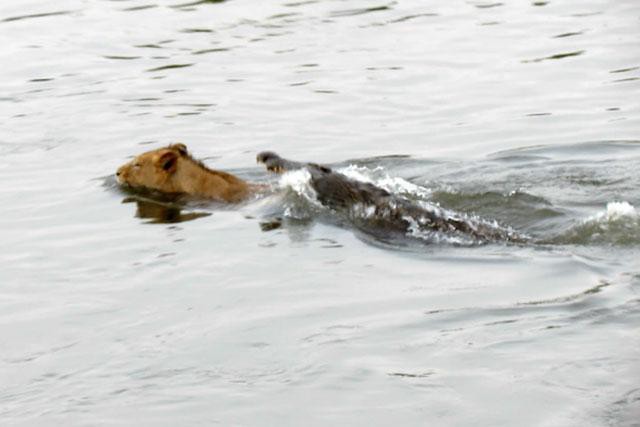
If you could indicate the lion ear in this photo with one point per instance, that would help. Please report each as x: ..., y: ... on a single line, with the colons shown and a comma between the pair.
x: 168, y: 161
x: 180, y: 148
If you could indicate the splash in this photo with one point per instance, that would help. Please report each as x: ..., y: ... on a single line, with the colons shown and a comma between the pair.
x: 417, y: 230
x: 618, y: 224
x: 617, y: 211
x: 382, y: 179
x: 299, y: 182
x: 408, y: 211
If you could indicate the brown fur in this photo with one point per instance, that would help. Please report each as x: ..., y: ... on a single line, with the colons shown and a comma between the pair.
x: 172, y: 170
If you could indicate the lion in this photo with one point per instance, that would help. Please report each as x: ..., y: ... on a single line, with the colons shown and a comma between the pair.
x: 173, y: 170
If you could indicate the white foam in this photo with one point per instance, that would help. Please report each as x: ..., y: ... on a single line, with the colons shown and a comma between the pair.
x: 616, y: 210
x: 417, y: 230
x: 618, y: 224
x: 360, y: 210
x: 379, y: 177
x: 298, y: 181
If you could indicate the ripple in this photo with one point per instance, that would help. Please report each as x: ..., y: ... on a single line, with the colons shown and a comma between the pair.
x: 137, y: 8
x: 196, y: 30
x: 384, y: 68
x: 212, y: 50
x: 556, y: 56
x: 570, y: 298
x: 301, y: 83
x: 36, y: 15
x: 591, y: 149
x: 301, y: 3
x: 412, y: 17
x: 625, y: 410
x: 196, y: 3
x: 488, y: 5
x: 121, y: 58
x: 517, y: 208
x: 569, y: 34
x: 628, y: 79
x: 149, y: 46
x: 624, y: 70
x: 586, y: 14
x: 141, y: 99
x: 284, y: 15
x: 411, y: 375
x: 356, y: 12
x: 169, y: 67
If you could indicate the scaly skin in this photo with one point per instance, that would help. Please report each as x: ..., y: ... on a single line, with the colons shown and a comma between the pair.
x: 388, y: 211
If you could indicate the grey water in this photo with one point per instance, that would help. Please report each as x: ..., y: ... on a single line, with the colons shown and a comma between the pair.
x: 122, y: 309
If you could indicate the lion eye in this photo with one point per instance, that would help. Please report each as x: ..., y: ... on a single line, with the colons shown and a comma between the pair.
x: 136, y: 165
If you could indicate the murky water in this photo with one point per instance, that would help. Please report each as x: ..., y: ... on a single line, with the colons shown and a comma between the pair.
x: 119, y: 309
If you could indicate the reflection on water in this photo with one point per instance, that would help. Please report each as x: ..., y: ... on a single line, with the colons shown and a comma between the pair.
x: 105, y: 319
x: 159, y: 213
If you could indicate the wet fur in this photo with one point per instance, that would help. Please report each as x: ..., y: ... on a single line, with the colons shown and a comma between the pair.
x: 173, y: 170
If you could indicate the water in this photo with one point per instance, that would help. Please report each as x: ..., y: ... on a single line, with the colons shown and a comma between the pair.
x: 116, y: 309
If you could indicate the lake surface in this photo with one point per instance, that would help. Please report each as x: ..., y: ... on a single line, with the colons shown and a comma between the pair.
x: 117, y: 309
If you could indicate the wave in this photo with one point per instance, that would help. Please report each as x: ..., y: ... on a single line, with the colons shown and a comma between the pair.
x: 618, y: 224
